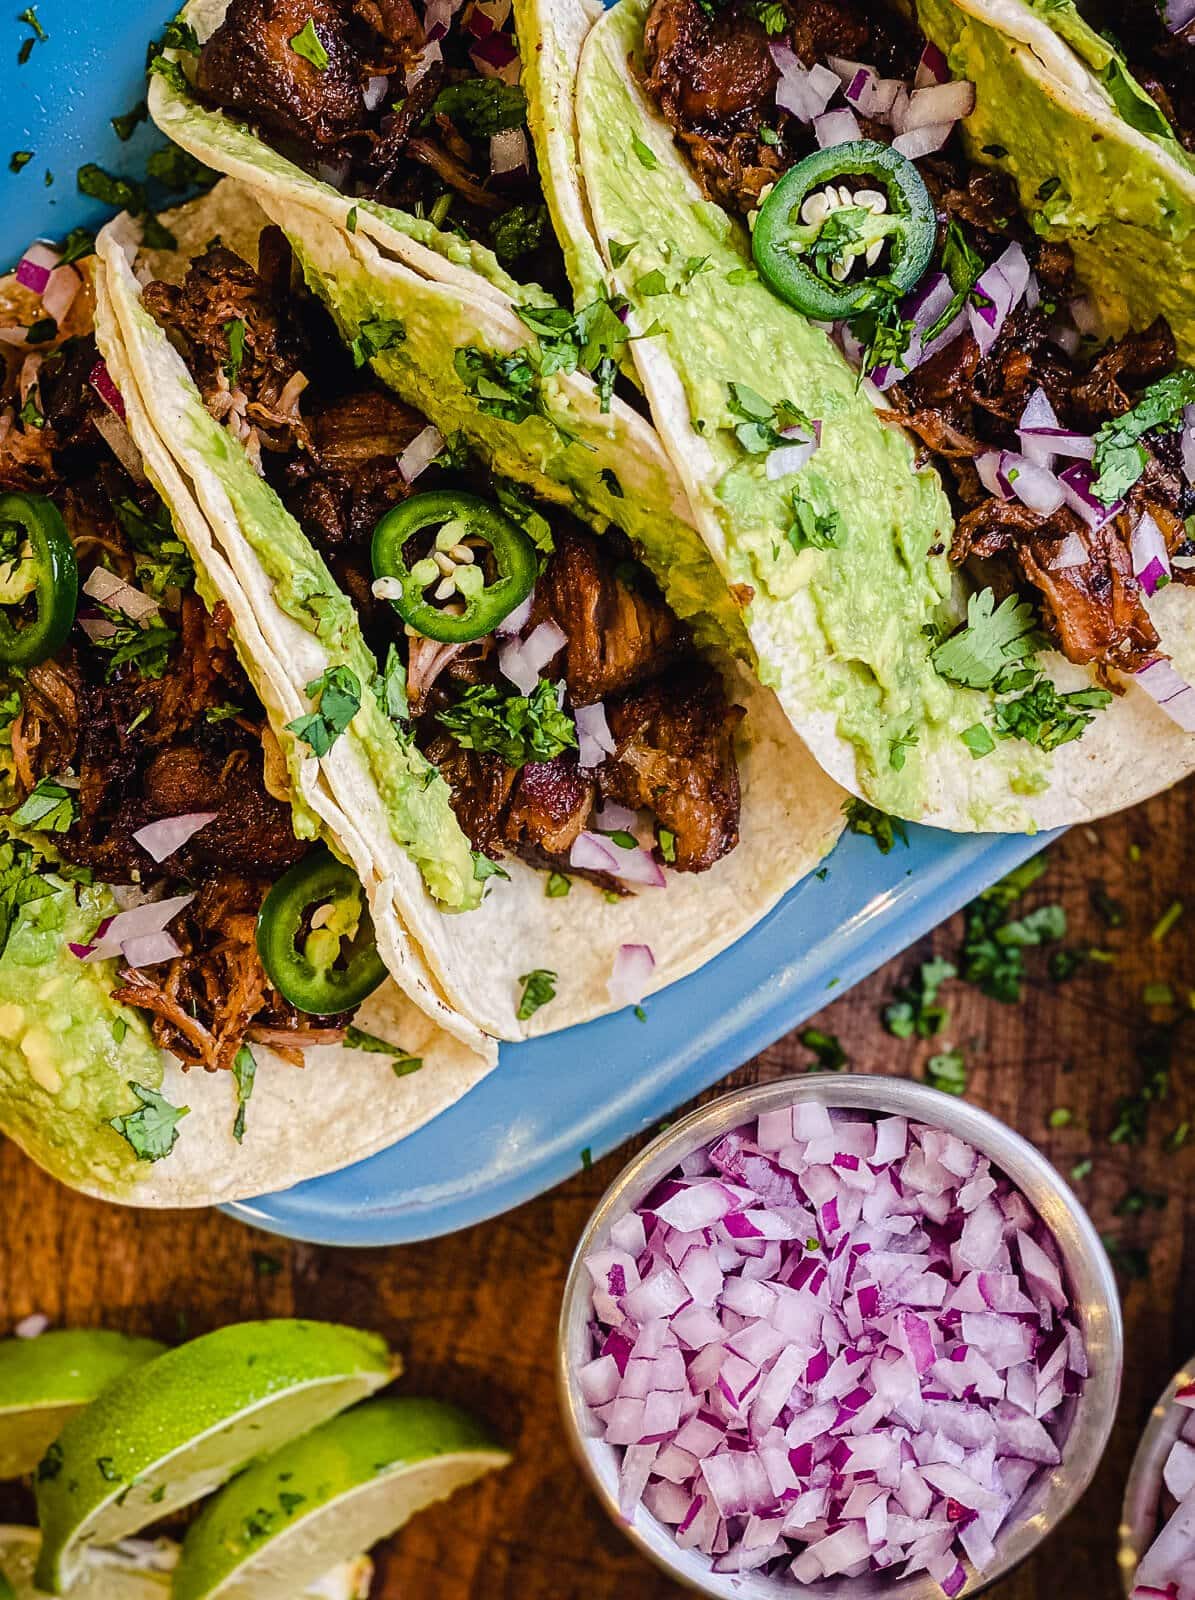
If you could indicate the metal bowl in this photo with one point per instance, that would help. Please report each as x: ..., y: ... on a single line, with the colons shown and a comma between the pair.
x: 1086, y: 1419
x: 1139, y: 1518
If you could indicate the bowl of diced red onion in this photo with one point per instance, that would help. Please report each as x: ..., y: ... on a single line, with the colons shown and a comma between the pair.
x: 1157, y: 1531
x: 850, y: 1334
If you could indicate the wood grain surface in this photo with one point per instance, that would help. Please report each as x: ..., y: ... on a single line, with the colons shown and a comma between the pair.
x: 475, y: 1315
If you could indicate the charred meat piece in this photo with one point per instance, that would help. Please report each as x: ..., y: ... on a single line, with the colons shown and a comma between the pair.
x: 619, y: 629
x: 675, y: 755
x: 250, y: 66
x: 219, y: 293
x: 394, y: 21
x: 1128, y: 366
x: 251, y: 831
x: 549, y: 806
x: 481, y: 785
x: 350, y: 476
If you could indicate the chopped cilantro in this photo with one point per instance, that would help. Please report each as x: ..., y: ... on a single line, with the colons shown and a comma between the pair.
x: 964, y: 268
x: 357, y: 1039
x: 1136, y: 1200
x: 1158, y: 994
x: 586, y: 1159
x: 235, y: 333
x: 1043, y: 717
x: 1111, y: 912
x: 619, y: 252
x: 992, y: 637
x: 160, y: 66
x: 48, y: 808
x: 30, y: 416
x: 350, y: 221
x: 127, y: 124
x: 78, y: 243
x: 610, y: 478
x: 771, y: 16
x: 375, y: 335
x: 885, y: 830
x: 829, y: 1056
x: 518, y: 509
x: 161, y: 559
x: 337, y: 693
x: 1166, y: 921
x: 644, y: 153
x: 914, y: 1009
x: 811, y: 529
x: 123, y: 193
x: 947, y: 1071
x: 1177, y: 1137
x: 1049, y: 188
x: 151, y: 1132
x: 145, y: 649
x: 484, y: 869
x: 978, y: 741
x: 768, y: 135
x: 1082, y: 1169
x: 898, y: 747
x: 177, y: 169
x: 519, y: 728
x: 993, y: 942
x: 558, y: 885
x: 538, y: 988
x: 19, y: 159
x: 1120, y: 457
x: 652, y: 283
x: 308, y: 44
x: 390, y: 688
x: 741, y: 275
x: 517, y: 231
x: 179, y: 35
x: 759, y: 429
x: 666, y: 840
x: 591, y: 339
x: 244, y: 1073
x: 222, y: 713
x: 1061, y: 1117
x: 482, y: 107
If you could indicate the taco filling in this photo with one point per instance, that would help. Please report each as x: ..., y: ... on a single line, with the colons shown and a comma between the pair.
x: 833, y: 129
x: 134, y: 753
x: 427, y: 115
x: 537, y: 666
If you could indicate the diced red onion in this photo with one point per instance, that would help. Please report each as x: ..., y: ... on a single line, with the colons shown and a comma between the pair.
x: 593, y: 853
x: 510, y: 72
x: 1001, y: 288
x: 120, y: 441
x: 922, y: 141
x: 1177, y: 14
x: 437, y: 17
x: 1151, y: 559
x: 516, y: 620
x: 509, y: 152
x: 593, y: 736
x: 374, y: 92
x: 789, y: 458
x: 940, y: 103
x: 836, y: 127
x: 1172, y: 692
x: 162, y: 839
x: 1033, y: 485
x: 1072, y: 552
x: 613, y: 818
x: 1188, y: 443
x: 872, y: 96
x: 1077, y: 483
x: 805, y: 92
x: 932, y: 68
x: 522, y: 660
x: 100, y: 380
x: 496, y: 49
x: 1083, y: 315
x: 35, y: 267
x: 630, y: 981
x: 802, y: 1371
x: 420, y: 453
x: 150, y: 950
x: 59, y: 294
x: 130, y: 927
x: 109, y: 590
x: 431, y: 55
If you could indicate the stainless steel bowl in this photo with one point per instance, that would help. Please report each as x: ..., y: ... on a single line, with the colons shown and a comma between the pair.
x: 1086, y: 1420
x: 1139, y: 1518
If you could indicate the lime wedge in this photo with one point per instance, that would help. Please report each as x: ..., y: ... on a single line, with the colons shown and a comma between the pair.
x: 173, y: 1430
x: 341, y: 1488
x: 137, y: 1570
x: 45, y: 1381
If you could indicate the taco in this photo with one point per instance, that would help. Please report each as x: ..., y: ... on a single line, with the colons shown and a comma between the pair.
x: 542, y: 707
x: 960, y: 517
x: 162, y: 846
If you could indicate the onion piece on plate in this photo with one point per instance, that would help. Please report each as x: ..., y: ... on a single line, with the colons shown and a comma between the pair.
x: 420, y: 453
x: 522, y: 660
x: 161, y: 839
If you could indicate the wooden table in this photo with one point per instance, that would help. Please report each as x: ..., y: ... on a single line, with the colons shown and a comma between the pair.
x: 475, y: 1315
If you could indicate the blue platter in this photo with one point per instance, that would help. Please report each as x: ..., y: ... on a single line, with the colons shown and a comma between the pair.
x: 526, y: 1127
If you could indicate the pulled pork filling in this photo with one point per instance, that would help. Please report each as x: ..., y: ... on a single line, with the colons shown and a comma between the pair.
x: 712, y: 69
x: 135, y: 721
x: 357, y: 93
x: 511, y: 757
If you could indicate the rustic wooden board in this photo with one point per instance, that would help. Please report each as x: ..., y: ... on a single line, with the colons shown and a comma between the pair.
x: 475, y: 1315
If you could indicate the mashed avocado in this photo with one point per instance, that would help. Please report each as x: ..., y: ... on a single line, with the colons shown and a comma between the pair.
x: 1129, y: 219
x: 68, y: 1051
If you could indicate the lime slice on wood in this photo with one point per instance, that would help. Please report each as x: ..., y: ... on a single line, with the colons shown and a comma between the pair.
x: 45, y: 1381
x: 341, y: 1488
x: 173, y: 1430
x: 139, y: 1570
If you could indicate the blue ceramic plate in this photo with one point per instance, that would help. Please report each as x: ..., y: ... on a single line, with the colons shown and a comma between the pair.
x: 585, y: 1090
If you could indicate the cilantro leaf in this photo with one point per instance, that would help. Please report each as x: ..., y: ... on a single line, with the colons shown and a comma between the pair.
x: 21, y: 884
x: 127, y: 124
x: 539, y: 987
x: 308, y: 44
x: 48, y: 808
x: 519, y: 728
x: 885, y: 830
x: 375, y: 335
x: 992, y: 637
x: 590, y: 340
x: 829, y: 1056
x: 811, y: 529
x: 762, y: 422
x: 337, y: 693
x: 235, y: 334
x: 517, y: 231
x: 146, y: 649
x: 244, y: 1073
x: 645, y: 155
x: 482, y: 107
x: 947, y: 1071
x: 1043, y: 717
x: 151, y: 1132
x: 404, y: 1062
x: 390, y: 687
x: 1120, y: 457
